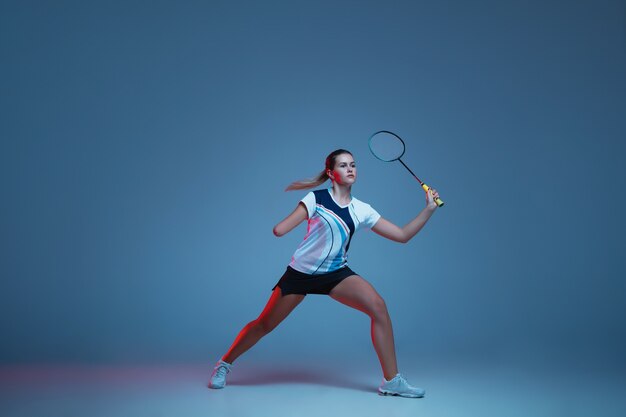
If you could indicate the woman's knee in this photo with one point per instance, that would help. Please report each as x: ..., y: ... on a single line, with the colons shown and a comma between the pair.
x: 378, y: 308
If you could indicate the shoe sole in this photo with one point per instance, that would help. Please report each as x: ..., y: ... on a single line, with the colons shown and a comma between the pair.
x: 395, y: 394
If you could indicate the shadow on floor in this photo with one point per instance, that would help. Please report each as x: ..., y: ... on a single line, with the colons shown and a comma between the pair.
x: 331, y: 378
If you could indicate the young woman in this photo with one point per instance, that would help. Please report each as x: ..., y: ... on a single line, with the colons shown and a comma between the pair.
x: 319, y: 266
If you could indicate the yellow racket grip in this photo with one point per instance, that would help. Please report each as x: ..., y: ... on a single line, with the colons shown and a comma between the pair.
x: 437, y: 200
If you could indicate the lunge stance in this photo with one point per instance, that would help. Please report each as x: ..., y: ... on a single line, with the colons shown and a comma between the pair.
x: 319, y: 266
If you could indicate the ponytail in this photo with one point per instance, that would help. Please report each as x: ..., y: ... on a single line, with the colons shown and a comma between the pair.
x: 310, y: 183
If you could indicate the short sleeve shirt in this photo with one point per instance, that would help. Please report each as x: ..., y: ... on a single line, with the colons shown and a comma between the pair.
x: 329, y: 232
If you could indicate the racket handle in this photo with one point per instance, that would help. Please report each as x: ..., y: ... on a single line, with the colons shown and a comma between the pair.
x: 437, y: 200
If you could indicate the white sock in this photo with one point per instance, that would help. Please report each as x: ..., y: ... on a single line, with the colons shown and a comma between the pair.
x: 391, y: 378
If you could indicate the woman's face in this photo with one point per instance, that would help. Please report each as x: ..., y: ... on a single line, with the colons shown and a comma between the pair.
x: 344, y: 171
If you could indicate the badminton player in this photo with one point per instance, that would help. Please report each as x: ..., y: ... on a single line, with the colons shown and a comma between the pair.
x: 319, y: 266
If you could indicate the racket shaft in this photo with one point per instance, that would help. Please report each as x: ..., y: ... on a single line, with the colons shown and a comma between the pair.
x: 424, y: 186
x: 412, y: 173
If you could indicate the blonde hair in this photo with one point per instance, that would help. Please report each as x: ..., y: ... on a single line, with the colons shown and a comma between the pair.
x: 320, y: 178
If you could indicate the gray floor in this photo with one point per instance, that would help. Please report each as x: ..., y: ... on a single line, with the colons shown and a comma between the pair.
x: 313, y: 389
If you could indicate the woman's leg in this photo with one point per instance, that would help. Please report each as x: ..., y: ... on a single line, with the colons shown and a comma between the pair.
x: 357, y: 293
x: 278, y: 307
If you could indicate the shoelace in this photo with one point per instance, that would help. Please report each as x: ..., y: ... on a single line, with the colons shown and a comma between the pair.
x: 403, y: 381
x: 221, y: 371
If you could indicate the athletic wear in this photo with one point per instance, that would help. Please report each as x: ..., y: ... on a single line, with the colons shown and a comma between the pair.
x: 399, y: 386
x: 296, y: 282
x: 218, y: 378
x: 321, y: 262
x: 329, y: 232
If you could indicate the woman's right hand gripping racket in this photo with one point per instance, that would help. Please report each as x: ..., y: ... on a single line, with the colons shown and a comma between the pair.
x: 389, y: 147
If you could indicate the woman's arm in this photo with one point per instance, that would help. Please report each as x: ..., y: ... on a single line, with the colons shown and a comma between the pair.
x: 389, y: 230
x: 295, y: 218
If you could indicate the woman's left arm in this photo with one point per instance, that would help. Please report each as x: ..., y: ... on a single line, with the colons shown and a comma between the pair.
x: 389, y: 230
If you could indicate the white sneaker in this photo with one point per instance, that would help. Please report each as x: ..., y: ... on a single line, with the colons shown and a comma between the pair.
x: 399, y: 386
x: 218, y: 378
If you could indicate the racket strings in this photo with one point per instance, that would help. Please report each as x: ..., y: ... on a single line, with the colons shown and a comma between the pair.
x: 386, y: 146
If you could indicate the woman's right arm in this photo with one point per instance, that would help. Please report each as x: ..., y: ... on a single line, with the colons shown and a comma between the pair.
x: 295, y: 218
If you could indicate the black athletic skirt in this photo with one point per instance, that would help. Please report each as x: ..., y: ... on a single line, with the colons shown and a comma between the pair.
x: 296, y: 282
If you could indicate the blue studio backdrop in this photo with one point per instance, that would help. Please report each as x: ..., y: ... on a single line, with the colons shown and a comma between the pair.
x: 145, y: 148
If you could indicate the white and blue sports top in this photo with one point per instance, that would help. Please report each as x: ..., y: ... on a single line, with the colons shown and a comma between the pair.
x: 329, y: 231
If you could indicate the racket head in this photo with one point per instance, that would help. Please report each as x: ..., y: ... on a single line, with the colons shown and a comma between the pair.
x: 386, y: 146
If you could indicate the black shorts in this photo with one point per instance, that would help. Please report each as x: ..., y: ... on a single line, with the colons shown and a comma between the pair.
x: 296, y: 282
